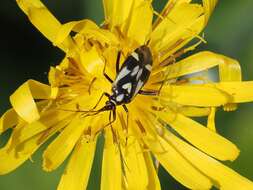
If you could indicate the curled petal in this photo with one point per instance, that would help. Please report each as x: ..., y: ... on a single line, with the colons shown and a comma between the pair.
x: 229, y: 69
x: 195, y: 95
x: 44, y: 21
x: 8, y: 120
x: 23, y: 99
x: 65, y: 29
x: 209, y: 95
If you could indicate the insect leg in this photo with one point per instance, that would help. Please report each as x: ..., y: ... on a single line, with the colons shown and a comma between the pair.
x: 106, y: 76
x: 91, y: 111
x: 113, y: 118
x: 90, y: 85
x: 118, y: 62
x: 113, y: 115
x: 127, y: 112
x: 149, y: 93
x: 99, y: 100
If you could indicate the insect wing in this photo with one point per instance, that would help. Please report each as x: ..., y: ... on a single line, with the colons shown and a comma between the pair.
x: 132, y: 75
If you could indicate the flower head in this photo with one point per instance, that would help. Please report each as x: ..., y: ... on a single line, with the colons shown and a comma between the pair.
x: 154, y: 124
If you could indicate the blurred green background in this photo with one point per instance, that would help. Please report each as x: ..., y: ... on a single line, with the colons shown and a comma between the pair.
x: 26, y: 54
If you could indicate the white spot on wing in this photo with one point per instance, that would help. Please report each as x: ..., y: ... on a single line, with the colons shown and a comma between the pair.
x: 148, y: 67
x: 120, y: 97
x: 139, y: 74
x: 128, y: 87
x: 135, y: 56
x: 124, y: 72
x: 135, y: 70
x: 138, y: 87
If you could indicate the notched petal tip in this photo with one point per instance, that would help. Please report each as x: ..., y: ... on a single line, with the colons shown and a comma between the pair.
x: 47, y: 164
x: 8, y: 120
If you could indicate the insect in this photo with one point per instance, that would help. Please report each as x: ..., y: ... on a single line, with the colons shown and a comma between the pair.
x: 130, y: 78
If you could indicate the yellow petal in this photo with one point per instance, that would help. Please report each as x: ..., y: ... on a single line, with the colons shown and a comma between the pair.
x: 223, y: 177
x: 14, y: 154
x: 153, y: 180
x: 167, y: 9
x: 183, y: 23
x: 209, y: 95
x: 189, y: 111
x: 134, y: 165
x: 8, y: 120
x: 47, y: 121
x: 178, y: 167
x: 140, y: 25
x: 117, y: 11
x: 194, y: 111
x: 111, y: 166
x: 211, y: 120
x: 61, y: 147
x: 65, y: 29
x: 9, y: 159
x: 92, y: 62
x: 209, y: 6
x: 196, y: 95
x: 44, y: 21
x: 200, y: 136
x: 23, y: 102
x: 229, y: 69
x: 77, y: 173
x: 239, y: 91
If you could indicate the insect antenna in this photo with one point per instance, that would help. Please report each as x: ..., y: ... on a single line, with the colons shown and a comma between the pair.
x: 91, y: 112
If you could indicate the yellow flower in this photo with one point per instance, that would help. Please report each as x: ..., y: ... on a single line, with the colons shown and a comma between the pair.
x: 158, y: 126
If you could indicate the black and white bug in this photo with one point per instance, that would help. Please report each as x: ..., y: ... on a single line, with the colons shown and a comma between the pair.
x: 130, y: 78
